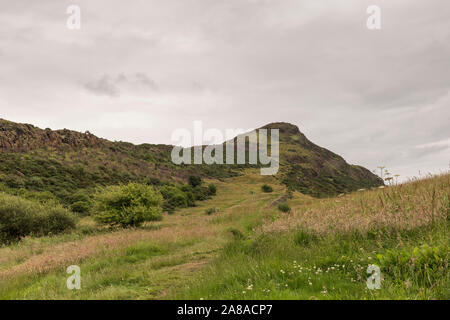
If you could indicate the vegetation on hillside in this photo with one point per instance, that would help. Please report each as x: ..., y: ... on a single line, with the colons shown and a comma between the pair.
x: 322, y: 250
x: 239, y: 245
x: 300, y: 234
x: 64, y: 161
x: 128, y: 206
x: 20, y: 218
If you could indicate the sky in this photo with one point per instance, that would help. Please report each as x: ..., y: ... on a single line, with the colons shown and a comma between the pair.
x: 138, y: 70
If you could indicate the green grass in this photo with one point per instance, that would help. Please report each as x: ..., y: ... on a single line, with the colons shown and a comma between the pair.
x: 248, y: 249
x: 280, y: 266
x: 140, y: 271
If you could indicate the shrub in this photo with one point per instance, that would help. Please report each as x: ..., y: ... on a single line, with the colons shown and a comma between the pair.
x: 212, y: 189
x: 174, y: 197
x: 154, y: 181
x: 195, y: 181
x: 20, y: 218
x: 190, y: 199
x: 80, y: 196
x: 424, y: 264
x: 81, y: 202
x: 14, y: 181
x: 210, y: 211
x: 80, y: 207
x: 56, y: 220
x: 42, y: 197
x: 284, y: 207
x: 128, y: 205
x: 35, y: 183
x: 201, y: 193
x: 186, y: 188
x: 266, y: 188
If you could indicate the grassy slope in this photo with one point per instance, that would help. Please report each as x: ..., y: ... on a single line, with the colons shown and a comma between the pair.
x: 63, y: 161
x: 135, y: 264
x: 248, y: 249
x: 323, y: 248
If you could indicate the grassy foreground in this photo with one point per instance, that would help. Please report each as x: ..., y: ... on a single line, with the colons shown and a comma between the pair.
x: 247, y: 249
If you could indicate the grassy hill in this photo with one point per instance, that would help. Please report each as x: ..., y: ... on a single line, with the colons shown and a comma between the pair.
x: 308, y: 232
x: 64, y: 161
x: 248, y: 249
x: 313, y: 170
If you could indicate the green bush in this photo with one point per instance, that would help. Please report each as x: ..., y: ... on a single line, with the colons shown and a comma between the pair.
x: 56, y: 220
x: 35, y: 183
x: 42, y: 197
x: 20, y: 218
x: 423, y: 263
x: 212, y: 189
x: 128, y: 205
x: 195, y: 181
x: 266, y: 188
x: 210, y: 211
x: 81, y: 202
x: 284, y: 207
x: 14, y: 181
x: 80, y: 196
x: 80, y: 207
x: 190, y: 199
x: 173, y: 198
x: 201, y: 193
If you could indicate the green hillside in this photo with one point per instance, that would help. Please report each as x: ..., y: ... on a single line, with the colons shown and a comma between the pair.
x: 64, y: 161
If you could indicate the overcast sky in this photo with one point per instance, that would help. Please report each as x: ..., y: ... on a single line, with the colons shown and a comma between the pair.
x: 137, y: 70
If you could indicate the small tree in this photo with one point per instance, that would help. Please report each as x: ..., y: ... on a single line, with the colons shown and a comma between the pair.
x: 195, y: 181
x: 173, y: 197
x: 284, y: 207
x: 212, y: 189
x: 81, y: 202
x: 266, y: 188
x: 128, y: 206
x: 20, y: 217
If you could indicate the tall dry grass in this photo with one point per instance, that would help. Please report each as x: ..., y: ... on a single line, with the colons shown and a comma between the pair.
x: 413, y: 204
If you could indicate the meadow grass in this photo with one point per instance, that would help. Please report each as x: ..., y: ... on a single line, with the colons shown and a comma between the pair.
x: 123, y: 263
x: 248, y: 249
x: 296, y: 265
x: 322, y: 250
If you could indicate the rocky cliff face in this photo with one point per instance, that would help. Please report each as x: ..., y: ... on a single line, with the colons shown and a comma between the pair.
x: 17, y: 137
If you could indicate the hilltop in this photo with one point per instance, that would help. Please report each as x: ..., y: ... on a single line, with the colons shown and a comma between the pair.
x: 62, y: 161
x: 311, y: 169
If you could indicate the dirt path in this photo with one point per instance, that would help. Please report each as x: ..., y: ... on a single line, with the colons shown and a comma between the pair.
x: 72, y: 252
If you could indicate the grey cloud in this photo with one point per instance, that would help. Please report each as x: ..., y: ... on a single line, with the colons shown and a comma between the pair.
x: 427, y: 151
x: 146, y: 81
x: 104, y: 86
x: 114, y: 86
